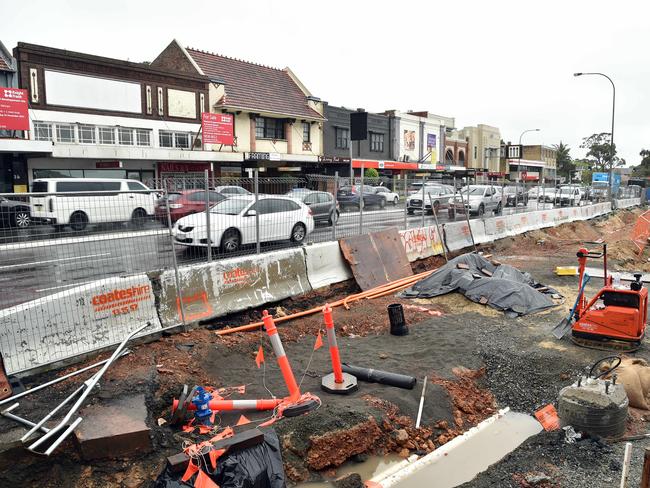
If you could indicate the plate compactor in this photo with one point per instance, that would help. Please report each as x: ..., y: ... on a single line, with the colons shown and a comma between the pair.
x: 614, y: 319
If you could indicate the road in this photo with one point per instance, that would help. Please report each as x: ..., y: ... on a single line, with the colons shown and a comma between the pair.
x: 37, y: 262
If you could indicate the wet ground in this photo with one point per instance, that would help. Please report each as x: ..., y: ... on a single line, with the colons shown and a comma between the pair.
x: 477, y: 360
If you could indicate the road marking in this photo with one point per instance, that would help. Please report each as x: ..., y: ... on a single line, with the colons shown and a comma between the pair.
x: 75, y: 240
x: 36, y: 263
x: 66, y: 286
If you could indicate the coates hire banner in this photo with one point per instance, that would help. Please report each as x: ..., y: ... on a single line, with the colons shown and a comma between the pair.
x: 217, y: 129
x: 14, y: 110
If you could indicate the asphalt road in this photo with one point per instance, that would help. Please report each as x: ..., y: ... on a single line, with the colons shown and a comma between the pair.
x: 37, y: 262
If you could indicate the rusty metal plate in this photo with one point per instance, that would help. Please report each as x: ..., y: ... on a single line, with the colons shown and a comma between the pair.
x: 376, y: 258
x: 5, y: 385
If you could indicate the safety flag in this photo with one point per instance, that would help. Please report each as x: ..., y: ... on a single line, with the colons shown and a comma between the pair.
x: 259, y: 359
x: 319, y: 342
x: 204, y: 481
x: 243, y: 420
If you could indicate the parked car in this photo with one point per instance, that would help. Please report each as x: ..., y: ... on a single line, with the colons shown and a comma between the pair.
x: 386, y: 194
x: 184, y: 203
x: 599, y: 192
x: 514, y: 195
x: 478, y: 199
x: 321, y: 204
x: 348, y: 197
x: 232, y: 190
x: 233, y: 223
x: 14, y: 214
x: 119, y: 201
x: 440, y: 195
x: 569, y: 195
x: 548, y: 195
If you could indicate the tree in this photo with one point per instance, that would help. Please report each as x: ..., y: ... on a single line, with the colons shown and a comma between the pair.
x: 371, y: 173
x: 643, y: 169
x: 599, y: 152
x: 564, y: 162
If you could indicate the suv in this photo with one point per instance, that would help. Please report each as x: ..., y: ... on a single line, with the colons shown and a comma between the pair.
x: 569, y: 195
x: 515, y: 195
x: 82, y: 201
x: 477, y: 199
x: 439, y: 194
x: 321, y: 204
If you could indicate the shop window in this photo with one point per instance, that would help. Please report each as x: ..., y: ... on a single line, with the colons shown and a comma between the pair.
x: 65, y: 133
x: 87, y: 134
x: 166, y: 138
x: 306, y: 132
x: 342, y: 138
x: 267, y: 128
x: 125, y: 136
x: 143, y: 137
x: 376, y: 142
x: 106, y: 135
x: 42, y: 131
x: 182, y: 140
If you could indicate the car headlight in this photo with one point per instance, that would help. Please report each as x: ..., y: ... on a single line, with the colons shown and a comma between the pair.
x: 185, y: 228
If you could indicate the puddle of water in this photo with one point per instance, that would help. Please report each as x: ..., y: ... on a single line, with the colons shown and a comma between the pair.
x: 476, y: 454
x: 367, y: 469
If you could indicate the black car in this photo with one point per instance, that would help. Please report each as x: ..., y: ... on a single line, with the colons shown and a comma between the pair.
x: 14, y: 214
x: 515, y: 195
x: 348, y: 197
x: 321, y: 204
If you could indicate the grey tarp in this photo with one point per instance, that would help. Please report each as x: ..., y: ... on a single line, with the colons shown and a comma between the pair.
x: 507, y: 289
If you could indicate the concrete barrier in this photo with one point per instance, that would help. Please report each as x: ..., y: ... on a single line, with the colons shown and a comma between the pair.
x: 216, y: 289
x: 457, y: 235
x: 478, y: 231
x: 76, y: 321
x: 326, y: 264
x: 421, y: 242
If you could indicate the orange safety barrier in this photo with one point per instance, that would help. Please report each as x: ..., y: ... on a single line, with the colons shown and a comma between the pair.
x: 641, y: 231
x: 283, y: 361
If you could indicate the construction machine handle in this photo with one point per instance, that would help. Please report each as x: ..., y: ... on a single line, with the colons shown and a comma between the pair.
x: 590, y: 254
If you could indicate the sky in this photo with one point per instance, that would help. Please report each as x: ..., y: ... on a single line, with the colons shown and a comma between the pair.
x: 508, y: 64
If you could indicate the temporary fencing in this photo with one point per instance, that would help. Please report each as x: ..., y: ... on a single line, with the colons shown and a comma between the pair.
x: 641, y: 231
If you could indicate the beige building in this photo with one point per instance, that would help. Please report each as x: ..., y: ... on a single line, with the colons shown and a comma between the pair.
x: 275, y: 116
x: 484, y: 145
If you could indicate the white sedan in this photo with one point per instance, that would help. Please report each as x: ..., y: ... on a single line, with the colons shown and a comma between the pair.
x: 232, y: 223
x: 386, y: 194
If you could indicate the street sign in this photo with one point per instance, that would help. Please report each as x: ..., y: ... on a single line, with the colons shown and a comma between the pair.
x: 14, y: 110
x: 217, y: 128
x: 599, y: 177
x: 262, y: 156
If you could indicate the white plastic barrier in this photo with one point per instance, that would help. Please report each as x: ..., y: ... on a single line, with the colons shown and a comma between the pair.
x: 478, y: 231
x: 216, y: 289
x: 457, y: 235
x: 421, y: 242
x: 76, y: 321
x: 326, y: 264
x: 628, y: 202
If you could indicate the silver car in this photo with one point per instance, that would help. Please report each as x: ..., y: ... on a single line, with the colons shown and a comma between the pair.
x: 477, y: 199
x: 439, y: 195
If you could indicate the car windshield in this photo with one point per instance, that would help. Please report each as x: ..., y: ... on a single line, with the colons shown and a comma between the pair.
x: 234, y: 206
x: 473, y: 190
x: 509, y: 190
x: 298, y: 191
x: 567, y: 189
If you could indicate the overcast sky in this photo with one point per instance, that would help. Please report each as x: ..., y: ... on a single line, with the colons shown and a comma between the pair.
x: 504, y: 63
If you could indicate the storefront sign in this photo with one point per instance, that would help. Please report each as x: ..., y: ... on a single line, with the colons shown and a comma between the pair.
x: 217, y: 129
x: 333, y: 159
x: 108, y: 164
x: 262, y: 156
x: 356, y: 163
x: 14, y: 110
x: 431, y: 142
x: 183, y: 167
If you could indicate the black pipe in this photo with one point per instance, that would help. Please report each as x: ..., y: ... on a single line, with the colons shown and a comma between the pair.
x: 370, y: 375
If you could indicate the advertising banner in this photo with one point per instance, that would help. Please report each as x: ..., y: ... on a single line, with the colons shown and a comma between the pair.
x: 217, y: 129
x: 14, y: 110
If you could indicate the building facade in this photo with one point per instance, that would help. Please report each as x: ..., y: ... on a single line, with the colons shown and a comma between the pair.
x: 484, y: 142
x: 534, y: 163
x: 417, y: 136
x: 104, y: 117
x: 276, y: 119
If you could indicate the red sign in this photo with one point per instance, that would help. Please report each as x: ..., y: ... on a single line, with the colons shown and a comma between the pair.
x: 14, y: 110
x: 108, y: 164
x: 217, y: 129
x: 356, y: 163
x: 183, y: 167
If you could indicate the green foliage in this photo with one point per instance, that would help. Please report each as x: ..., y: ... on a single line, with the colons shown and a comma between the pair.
x: 565, y: 166
x: 371, y: 173
x: 643, y: 169
x: 599, y: 152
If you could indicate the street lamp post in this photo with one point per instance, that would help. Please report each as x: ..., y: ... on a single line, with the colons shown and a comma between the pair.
x: 612, y: 151
x: 521, y: 149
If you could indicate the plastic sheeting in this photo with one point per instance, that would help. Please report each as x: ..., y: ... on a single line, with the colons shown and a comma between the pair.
x: 507, y: 289
x: 256, y: 467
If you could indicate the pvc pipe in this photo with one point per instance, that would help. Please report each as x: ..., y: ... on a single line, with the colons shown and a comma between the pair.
x: 228, y: 405
x: 334, y: 348
x: 626, y: 464
x: 283, y: 361
x: 424, y: 390
x: 441, y: 452
x: 7, y: 413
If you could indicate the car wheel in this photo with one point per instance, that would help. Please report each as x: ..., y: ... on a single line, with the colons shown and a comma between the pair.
x: 334, y: 218
x: 481, y: 210
x: 78, y: 221
x: 395, y: 200
x: 498, y: 209
x: 138, y: 217
x: 230, y: 241
x: 382, y: 203
x: 21, y: 219
x: 451, y: 214
x: 298, y: 233
x: 436, y: 206
x: 409, y: 211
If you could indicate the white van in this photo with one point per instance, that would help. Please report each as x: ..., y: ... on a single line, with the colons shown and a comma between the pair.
x: 131, y: 201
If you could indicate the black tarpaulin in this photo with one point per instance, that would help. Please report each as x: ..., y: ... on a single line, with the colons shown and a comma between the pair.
x: 502, y: 286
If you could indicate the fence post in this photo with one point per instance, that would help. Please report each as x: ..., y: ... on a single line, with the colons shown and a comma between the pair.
x: 335, y: 218
x: 177, y: 278
x: 361, y: 203
x: 406, y: 195
x: 461, y: 197
x: 422, y: 202
x: 257, y: 215
x: 208, y: 239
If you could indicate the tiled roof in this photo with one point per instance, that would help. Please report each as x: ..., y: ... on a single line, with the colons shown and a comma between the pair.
x: 4, y: 66
x: 254, y: 87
